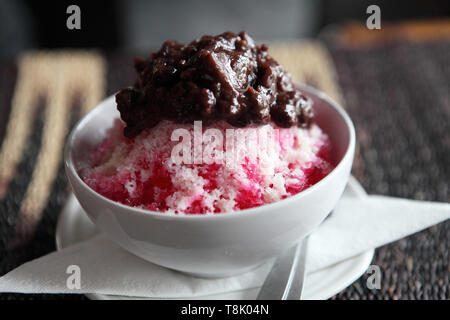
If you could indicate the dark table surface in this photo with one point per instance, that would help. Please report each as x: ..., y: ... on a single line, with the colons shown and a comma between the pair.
x: 398, y: 96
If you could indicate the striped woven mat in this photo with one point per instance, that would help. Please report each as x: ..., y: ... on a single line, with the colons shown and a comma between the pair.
x: 397, y: 94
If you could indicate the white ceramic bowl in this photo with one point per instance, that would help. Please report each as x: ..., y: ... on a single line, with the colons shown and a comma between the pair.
x: 213, y: 245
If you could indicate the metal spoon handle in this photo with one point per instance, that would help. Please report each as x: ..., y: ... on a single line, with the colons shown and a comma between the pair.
x: 285, y: 280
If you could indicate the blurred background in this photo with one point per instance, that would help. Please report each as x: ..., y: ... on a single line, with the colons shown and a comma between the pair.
x: 137, y: 25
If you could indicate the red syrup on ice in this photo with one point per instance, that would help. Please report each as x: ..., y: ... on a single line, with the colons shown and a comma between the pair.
x: 148, y: 183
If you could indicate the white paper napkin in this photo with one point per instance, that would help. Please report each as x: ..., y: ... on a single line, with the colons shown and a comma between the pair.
x: 355, y: 226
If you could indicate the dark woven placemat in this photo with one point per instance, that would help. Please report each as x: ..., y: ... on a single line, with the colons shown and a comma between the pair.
x: 398, y: 97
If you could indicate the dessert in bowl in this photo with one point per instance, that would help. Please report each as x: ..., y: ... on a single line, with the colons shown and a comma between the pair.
x: 195, y: 210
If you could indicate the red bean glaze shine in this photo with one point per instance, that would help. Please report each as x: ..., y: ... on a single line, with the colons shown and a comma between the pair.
x: 225, y: 77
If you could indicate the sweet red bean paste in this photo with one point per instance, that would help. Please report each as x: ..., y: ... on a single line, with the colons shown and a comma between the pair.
x: 225, y: 77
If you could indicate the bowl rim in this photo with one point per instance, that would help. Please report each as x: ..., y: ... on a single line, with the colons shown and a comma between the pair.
x: 68, y: 162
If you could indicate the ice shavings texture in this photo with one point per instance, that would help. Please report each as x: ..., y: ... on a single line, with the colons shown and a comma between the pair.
x: 141, y: 172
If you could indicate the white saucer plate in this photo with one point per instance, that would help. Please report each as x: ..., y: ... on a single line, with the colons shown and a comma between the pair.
x: 74, y: 226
